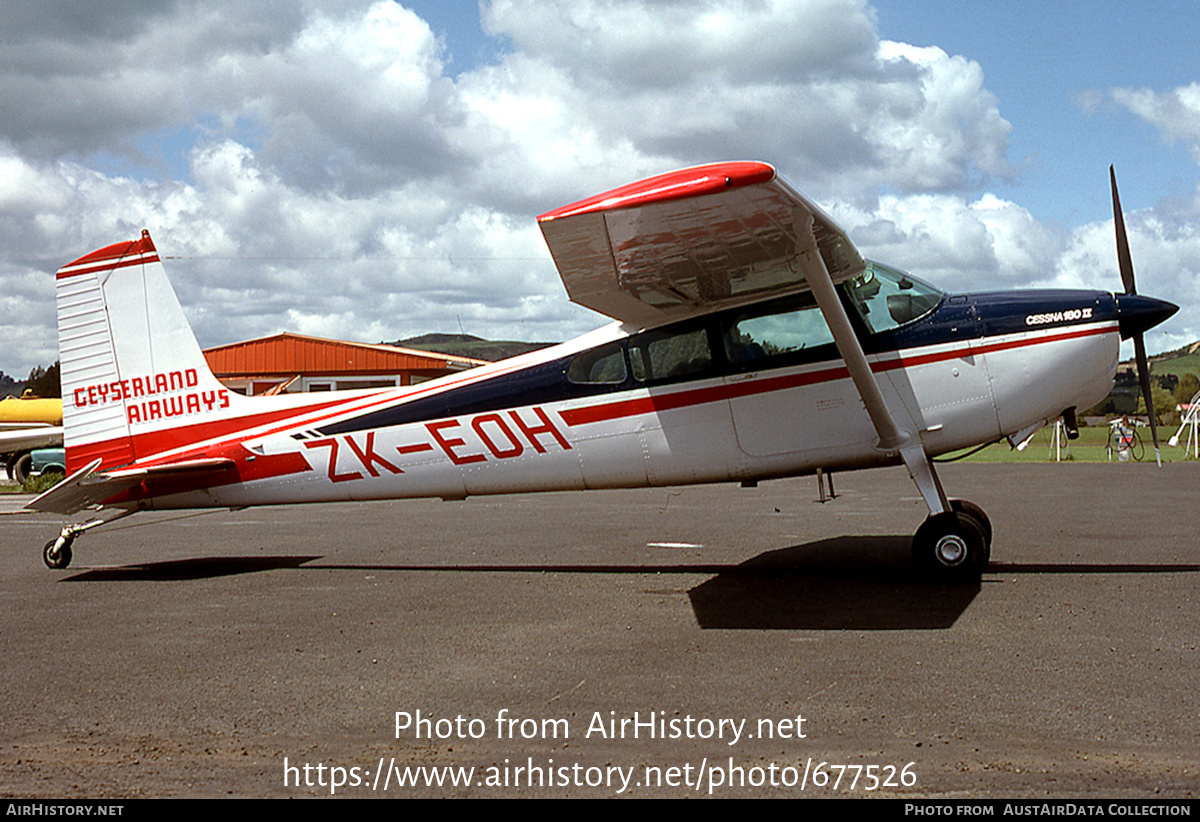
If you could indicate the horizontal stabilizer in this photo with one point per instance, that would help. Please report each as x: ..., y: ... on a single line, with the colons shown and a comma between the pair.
x: 68, y: 496
x: 173, y: 469
x: 85, y: 487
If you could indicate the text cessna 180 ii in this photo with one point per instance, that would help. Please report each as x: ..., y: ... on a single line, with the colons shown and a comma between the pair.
x: 751, y: 342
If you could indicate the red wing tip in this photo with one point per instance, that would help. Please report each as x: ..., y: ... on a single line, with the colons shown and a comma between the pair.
x: 674, y: 185
x: 116, y: 251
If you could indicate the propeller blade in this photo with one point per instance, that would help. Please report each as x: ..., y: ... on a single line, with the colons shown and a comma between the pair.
x: 1143, y: 367
x: 1124, y: 261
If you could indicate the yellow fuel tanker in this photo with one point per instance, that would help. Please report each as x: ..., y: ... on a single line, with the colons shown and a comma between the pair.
x: 31, y: 409
x: 27, y: 423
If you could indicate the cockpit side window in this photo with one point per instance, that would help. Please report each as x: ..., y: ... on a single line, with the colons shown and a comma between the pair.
x: 780, y: 333
x: 768, y: 335
x: 886, y: 298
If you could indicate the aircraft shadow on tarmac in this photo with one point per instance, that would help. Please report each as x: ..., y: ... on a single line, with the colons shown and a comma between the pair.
x: 845, y: 583
x: 858, y: 583
x: 188, y: 569
x: 861, y: 583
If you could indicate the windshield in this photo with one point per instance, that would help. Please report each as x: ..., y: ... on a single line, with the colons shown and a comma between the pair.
x: 886, y: 298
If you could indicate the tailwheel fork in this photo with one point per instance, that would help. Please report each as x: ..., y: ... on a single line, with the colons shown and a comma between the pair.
x: 57, y: 552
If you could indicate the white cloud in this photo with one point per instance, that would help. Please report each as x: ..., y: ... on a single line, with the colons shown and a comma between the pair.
x: 809, y: 86
x: 946, y: 129
x: 958, y: 244
x: 1175, y: 113
x: 634, y: 46
x: 314, y: 167
x: 1164, y: 240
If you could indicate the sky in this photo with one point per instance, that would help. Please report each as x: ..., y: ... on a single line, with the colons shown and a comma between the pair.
x: 372, y: 170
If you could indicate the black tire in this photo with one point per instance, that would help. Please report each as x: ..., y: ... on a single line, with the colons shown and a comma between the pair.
x: 951, y: 547
x: 57, y: 561
x: 21, y: 468
x: 969, y: 508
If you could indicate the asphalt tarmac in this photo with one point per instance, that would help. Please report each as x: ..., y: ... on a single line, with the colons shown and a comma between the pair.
x: 669, y: 642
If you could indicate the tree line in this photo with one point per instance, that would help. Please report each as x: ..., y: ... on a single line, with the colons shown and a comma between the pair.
x: 43, y: 382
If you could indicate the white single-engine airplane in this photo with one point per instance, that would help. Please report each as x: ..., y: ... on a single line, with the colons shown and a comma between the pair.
x: 752, y: 342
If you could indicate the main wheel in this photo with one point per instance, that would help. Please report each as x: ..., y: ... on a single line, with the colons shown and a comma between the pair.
x: 969, y: 508
x: 951, y: 546
x: 57, y: 559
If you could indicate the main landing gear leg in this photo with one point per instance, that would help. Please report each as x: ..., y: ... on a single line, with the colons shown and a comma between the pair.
x: 955, y: 542
x: 57, y: 552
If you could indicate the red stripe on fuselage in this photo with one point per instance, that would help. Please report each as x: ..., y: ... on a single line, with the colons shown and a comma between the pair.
x: 388, y: 397
x: 716, y: 393
x: 156, y: 442
x: 226, y: 433
x: 1071, y: 335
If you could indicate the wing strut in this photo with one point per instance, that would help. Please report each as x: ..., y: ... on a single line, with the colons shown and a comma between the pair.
x: 891, y: 438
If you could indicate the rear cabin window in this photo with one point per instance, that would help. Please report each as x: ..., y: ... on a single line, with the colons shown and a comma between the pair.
x: 602, y: 366
x: 666, y: 354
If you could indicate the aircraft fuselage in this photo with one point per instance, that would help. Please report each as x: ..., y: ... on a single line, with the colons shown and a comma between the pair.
x: 679, y: 404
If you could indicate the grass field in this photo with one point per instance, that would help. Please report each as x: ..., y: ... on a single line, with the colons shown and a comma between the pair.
x: 1092, y: 446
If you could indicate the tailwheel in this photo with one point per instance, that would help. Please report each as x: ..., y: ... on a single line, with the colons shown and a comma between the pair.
x: 952, y: 545
x: 56, y: 555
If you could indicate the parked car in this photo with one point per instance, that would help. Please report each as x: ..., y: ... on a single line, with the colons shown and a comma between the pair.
x: 26, y: 424
x: 48, y: 461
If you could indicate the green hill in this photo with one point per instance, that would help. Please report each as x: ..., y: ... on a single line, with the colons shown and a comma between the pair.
x: 1166, y: 370
x: 466, y: 345
x: 1177, y: 362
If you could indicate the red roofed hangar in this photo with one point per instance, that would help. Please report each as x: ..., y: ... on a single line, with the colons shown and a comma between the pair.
x: 296, y: 363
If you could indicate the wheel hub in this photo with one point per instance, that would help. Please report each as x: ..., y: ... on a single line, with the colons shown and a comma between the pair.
x: 951, y: 550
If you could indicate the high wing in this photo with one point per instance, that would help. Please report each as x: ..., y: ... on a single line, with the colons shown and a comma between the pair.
x: 711, y: 237
x: 691, y: 242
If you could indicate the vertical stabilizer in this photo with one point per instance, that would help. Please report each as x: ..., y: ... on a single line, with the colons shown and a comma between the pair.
x: 131, y: 367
